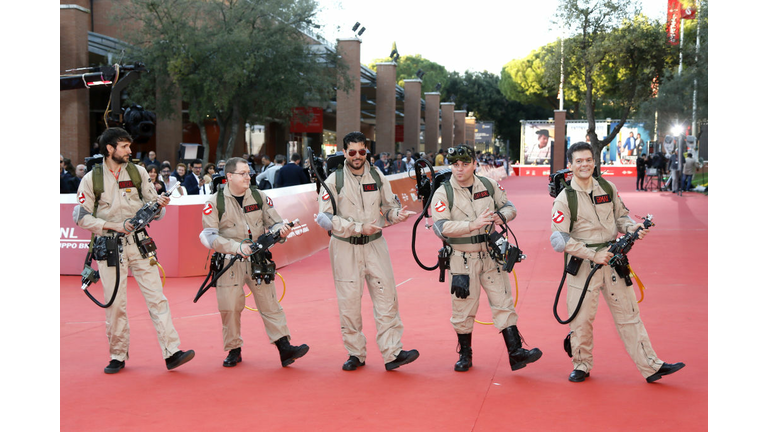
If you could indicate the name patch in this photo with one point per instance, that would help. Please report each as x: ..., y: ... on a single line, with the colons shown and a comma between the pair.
x: 371, y: 187
x: 602, y: 199
x: 125, y: 184
x: 482, y: 194
x: 250, y: 208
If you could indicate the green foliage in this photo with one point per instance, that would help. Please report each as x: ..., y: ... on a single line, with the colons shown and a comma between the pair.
x: 230, y: 60
x: 408, y: 65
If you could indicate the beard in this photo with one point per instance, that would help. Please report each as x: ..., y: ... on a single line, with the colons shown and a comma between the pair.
x: 122, y: 159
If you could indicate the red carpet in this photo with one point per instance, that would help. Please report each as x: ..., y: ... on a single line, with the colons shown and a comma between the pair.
x: 315, y: 394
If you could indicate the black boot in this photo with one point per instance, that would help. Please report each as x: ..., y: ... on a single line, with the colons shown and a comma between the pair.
x: 465, y: 353
x: 233, y: 358
x: 518, y: 356
x: 288, y: 352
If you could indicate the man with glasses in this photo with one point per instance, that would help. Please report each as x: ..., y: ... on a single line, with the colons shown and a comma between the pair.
x: 231, y: 233
x: 601, y: 216
x: 166, y: 177
x: 359, y: 254
x: 464, y: 222
x: 194, y: 181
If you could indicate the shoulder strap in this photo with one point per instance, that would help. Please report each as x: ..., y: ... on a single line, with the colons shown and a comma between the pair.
x: 133, y: 173
x: 98, y: 185
x: 220, y: 199
x: 339, y: 180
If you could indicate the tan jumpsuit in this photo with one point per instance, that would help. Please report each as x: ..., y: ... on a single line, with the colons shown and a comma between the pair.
x: 601, y: 217
x: 120, y: 201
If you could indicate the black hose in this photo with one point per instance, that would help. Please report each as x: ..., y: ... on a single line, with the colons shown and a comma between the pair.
x: 204, y: 288
x: 418, y: 165
x: 114, y: 291
x: 581, y: 299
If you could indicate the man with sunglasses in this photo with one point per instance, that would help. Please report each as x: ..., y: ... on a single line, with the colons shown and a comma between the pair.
x: 464, y: 222
x: 243, y: 220
x: 359, y: 254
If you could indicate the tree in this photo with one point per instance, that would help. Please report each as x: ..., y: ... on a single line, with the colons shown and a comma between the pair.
x: 616, y: 54
x: 479, y: 93
x: 233, y: 60
x: 408, y: 65
x: 673, y: 103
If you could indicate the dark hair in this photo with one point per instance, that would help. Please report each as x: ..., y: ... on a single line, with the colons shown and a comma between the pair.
x: 151, y: 167
x: 195, y: 162
x: 295, y: 157
x: 111, y: 137
x: 353, y: 137
x: 209, y: 165
x: 279, y: 159
x: 579, y: 146
x: 232, y: 162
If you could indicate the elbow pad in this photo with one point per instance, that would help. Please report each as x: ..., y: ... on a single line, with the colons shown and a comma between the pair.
x: 325, y: 221
x: 78, y: 213
x: 437, y: 227
x: 558, y: 240
x: 208, y: 236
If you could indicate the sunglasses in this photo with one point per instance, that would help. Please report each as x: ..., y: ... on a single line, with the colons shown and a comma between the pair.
x: 353, y: 153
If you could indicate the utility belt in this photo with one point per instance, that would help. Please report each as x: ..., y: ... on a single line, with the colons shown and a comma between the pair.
x: 359, y: 240
x: 480, y: 238
x: 102, y: 245
x: 476, y: 255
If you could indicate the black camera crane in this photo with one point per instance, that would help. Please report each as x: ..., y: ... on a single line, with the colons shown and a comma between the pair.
x: 137, y: 121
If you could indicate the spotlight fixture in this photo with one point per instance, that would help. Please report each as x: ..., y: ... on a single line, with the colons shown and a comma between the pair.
x: 360, y: 33
x: 419, y: 74
x: 438, y: 86
x: 354, y: 28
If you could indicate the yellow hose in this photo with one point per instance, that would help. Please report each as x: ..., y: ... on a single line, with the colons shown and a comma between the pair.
x: 516, y: 295
x: 639, y: 283
x: 281, y: 297
x: 155, y: 263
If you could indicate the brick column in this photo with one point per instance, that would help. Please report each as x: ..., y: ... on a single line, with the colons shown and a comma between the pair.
x: 74, y: 121
x: 412, y: 120
x: 459, y: 127
x: 469, y: 131
x: 431, y: 121
x: 558, y: 161
x: 385, y: 106
x: 446, y: 124
x: 348, y: 103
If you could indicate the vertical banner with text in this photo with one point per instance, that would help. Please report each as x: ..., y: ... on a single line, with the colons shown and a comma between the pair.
x: 673, y: 22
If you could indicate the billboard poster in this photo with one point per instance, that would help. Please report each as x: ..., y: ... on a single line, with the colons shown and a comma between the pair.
x: 538, y: 139
x: 484, y: 133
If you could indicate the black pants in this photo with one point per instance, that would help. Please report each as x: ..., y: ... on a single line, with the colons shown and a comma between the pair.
x: 640, y: 184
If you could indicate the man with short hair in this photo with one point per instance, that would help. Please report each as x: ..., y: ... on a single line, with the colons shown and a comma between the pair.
x: 541, y: 151
x: 232, y: 233
x: 462, y: 221
x: 166, y: 177
x: 601, y: 216
x: 268, y: 178
x: 440, y: 158
x: 106, y: 216
x: 194, y: 181
x: 292, y: 174
x: 408, y: 162
x: 359, y: 253
x: 151, y: 159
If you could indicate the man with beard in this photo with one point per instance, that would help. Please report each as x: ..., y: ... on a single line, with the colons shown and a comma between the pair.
x: 109, y: 195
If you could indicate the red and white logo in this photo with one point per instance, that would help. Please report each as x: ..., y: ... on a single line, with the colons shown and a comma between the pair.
x: 499, y: 185
x: 208, y: 209
x: 269, y: 202
x: 439, y: 206
x: 326, y: 197
x: 558, y: 217
x: 81, y: 197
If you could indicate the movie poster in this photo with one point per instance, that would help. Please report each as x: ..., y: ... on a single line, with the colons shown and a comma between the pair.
x: 538, y: 140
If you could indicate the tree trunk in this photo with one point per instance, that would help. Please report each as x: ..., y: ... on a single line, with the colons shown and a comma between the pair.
x: 223, y: 122
x: 233, y: 130
x: 204, y: 139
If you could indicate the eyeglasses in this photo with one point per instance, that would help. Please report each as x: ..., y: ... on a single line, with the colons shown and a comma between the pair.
x: 460, y: 153
x: 353, y: 153
x: 244, y: 174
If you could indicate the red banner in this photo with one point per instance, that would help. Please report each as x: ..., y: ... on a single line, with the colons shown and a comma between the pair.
x: 399, y: 133
x: 688, y: 12
x: 307, y: 119
x: 673, y: 22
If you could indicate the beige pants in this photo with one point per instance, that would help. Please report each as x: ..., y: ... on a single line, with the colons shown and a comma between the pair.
x: 623, y: 305
x: 353, y: 266
x: 483, y: 272
x: 148, y: 278
x: 231, y: 300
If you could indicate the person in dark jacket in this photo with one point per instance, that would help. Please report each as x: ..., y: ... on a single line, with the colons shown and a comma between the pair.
x: 292, y: 174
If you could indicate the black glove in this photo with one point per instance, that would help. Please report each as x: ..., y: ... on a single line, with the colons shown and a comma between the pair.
x: 460, y: 286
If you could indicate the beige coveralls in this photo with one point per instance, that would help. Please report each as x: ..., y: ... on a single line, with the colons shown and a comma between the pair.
x: 238, y: 223
x: 359, y: 202
x: 120, y: 201
x: 601, y: 217
x: 473, y: 259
